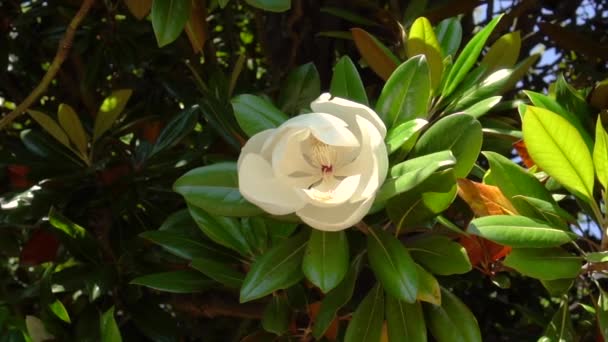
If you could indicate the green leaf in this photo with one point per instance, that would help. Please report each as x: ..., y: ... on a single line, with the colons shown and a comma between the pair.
x: 520, y: 70
x: 519, y: 231
x: 597, y: 256
x: 544, y: 263
x: 571, y: 99
x: 279, y: 268
x: 402, y: 137
x: 225, y: 231
x: 422, y: 41
x: 336, y: 299
x: 59, y: 310
x: 218, y: 271
x: 550, y: 212
x: 515, y: 182
x: 468, y: 57
x: 460, y: 133
x: 183, y: 246
x: 108, y: 327
x: 440, y: 255
x: 490, y: 86
x: 301, y: 87
x: 428, y: 287
x: 168, y: 19
x: 69, y: 121
x: 410, y: 173
x: 405, y: 321
x: 560, y: 328
x: 366, y: 324
x: 557, y: 287
x: 176, y: 130
x: 214, y: 188
x: 348, y: 15
x: 503, y: 53
x: 406, y: 94
x: 544, y: 101
x: 600, y: 154
x: 111, y: 107
x: 482, y: 107
x: 557, y: 147
x: 326, y: 260
x: 346, y: 82
x: 41, y: 145
x: 76, y: 239
x: 271, y: 5
x: 449, y: 35
x: 423, y: 202
x: 255, y: 114
x: 276, y: 315
x: 183, y: 281
x: 452, y: 321
x: 392, y: 265
x: 49, y: 125
x: 602, y: 313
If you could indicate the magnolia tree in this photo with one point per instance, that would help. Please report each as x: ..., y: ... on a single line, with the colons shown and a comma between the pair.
x: 326, y: 208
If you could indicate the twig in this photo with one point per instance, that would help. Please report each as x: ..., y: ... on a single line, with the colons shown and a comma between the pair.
x: 62, y: 51
x: 210, y: 307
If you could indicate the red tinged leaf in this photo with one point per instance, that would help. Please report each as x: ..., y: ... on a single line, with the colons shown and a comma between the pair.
x: 482, y: 252
x: 484, y: 200
x: 150, y: 131
x: 522, y: 151
x: 112, y: 174
x: 41, y: 247
x: 17, y: 175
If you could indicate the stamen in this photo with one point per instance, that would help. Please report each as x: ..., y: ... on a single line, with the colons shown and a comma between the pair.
x: 323, y: 155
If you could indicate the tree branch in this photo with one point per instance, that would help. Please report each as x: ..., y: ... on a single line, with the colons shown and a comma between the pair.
x: 210, y: 307
x: 62, y: 51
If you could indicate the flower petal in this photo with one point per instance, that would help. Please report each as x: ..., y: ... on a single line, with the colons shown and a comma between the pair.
x: 288, y: 157
x: 332, y: 192
x: 258, y: 185
x: 256, y: 143
x: 325, y: 127
x: 347, y: 110
x: 335, y: 218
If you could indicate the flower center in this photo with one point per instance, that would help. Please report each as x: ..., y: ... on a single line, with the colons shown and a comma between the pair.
x: 323, y: 156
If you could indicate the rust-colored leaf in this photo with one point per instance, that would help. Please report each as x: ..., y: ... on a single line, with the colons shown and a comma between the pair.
x: 599, y: 95
x: 484, y: 199
x: 139, y: 8
x: 522, y: 151
x: 41, y: 247
x: 384, y: 333
x: 196, y: 27
x: 482, y: 252
x: 574, y: 41
x: 375, y: 54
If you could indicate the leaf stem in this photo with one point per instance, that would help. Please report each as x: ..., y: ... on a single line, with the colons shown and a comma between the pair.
x: 62, y: 52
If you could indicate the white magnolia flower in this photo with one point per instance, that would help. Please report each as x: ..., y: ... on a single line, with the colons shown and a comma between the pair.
x: 325, y: 166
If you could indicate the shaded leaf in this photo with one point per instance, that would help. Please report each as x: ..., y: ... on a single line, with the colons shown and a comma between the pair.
x: 183, y: 281
x: 49, y: 125
x: 544, y: 263
x: 503, y: 53
x: 108, y: 327
x: 218, y: 271
x: 405, y: 321
x: 449, y: 35
x: 428, y: 287
x: 377, y: 56
x: 255, y: 114
x: 433, y: 251
x: 139, y: 8
x: 452, y: 321
x: 301, y: 87
x: 366, y: 324
x: 346, y: 82
x: 69, y: 121
x: 168, y: 19
x: 271, y: 5
x: 225, y: 231
x: 326, y: 260
x: 276, y: 315
x: 111, y: 107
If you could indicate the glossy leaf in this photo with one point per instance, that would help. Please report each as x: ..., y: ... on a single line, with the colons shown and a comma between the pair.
x: 225, y: 231
x: 366, y: 324
x: 108, y: 328
x: 602, y: 313
x: 392, y: 265
x: 326, y: 260
x: 452, y: 321
x: 218, y: 271
x: 376, y: 55
x: 490, y: 86
x: 184, y: 281
x: 180, y: 126
x: 459, y: 133
x: 428, y: 287
x: 519, y: 231
x: 335, y: 299
x: 111, y: 107
x: 403, y: 136
x: 410, y: 173
x: 600, y: 154
x: 301, y: 87
x: 346, y: 82
x: 519, y: 71
x: 434, y: 251
x: 482, y: 107
x: 195, y: 26
x: 406, y: 94
x: 422, y: 41
x: 76, y: 239
x: 69, y: 121
x: 59, y: 310
x: 271, y: 5
x: 544, y: 263
x: 255, y: 114
x: 449, y: 35
x: 503, y: 53
x: 468, y: 57
x: 49, y: 125
x: 558, y: 148
x: 484, y: 199
x: 405, y: 321
x: 279, y: 268
x: 41, y: 145
x: 572, y: 99
x: 214, y: 188
x: 168, y: 19
x: 550, y: 212
x: 276, y: 315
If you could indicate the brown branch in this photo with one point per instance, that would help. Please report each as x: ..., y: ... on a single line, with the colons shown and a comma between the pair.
x: 210, y: 307
x: 62, y: 51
